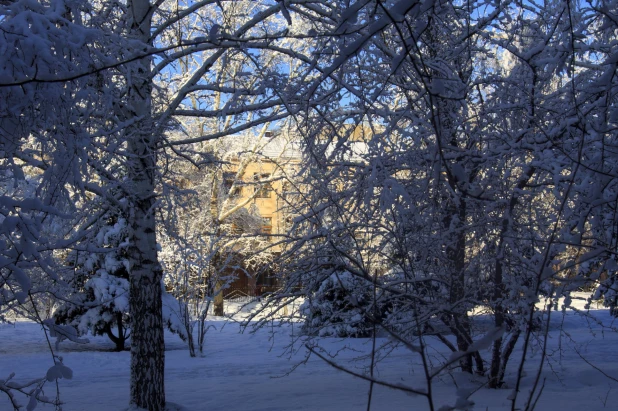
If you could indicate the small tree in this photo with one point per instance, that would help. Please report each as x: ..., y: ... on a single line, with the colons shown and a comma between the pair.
x: 99, y: 299
x: 342, y: 306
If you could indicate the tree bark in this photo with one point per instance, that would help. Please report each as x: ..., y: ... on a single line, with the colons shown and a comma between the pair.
x: 145, y: 306
x: 147, y: 345
x: 145, y: 276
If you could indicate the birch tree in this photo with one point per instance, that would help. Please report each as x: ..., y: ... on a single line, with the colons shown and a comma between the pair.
x: 90, y: 92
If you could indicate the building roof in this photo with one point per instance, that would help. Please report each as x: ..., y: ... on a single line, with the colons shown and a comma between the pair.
x: 267, y: 147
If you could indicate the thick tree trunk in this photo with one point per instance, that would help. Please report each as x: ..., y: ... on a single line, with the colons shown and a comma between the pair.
x: 145, y: 306
x: 147, y: 345
x: 145, y: 276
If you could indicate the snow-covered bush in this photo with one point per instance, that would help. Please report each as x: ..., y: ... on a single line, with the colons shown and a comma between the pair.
x: 342, y: 306
x: 176, y: 316
x: 608, y: 290
x: 98, y: 300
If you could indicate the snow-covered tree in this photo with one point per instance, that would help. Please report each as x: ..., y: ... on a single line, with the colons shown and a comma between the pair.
x: 204, y: 249
x: 488, y: 166
x: 99, y: 289
x: 342, y: 306
x: 88, y: 106
x: 483, y: 179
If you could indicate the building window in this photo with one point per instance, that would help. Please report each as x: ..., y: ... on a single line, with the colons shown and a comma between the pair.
x: 228, y: 183
x: 267, y: 226
x: 262, y: 190
x: 236, y: 229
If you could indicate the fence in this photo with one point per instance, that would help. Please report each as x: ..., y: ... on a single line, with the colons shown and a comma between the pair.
x: 247, y: 294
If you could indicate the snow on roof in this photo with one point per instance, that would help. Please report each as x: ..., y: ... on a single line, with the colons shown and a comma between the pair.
x: 284, y: 146
x: 279, y: 146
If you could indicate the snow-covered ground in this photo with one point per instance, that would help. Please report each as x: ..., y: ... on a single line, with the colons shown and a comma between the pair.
x: 251, y: 371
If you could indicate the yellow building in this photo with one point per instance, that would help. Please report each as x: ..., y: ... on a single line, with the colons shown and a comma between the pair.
x: 255, y: 180
x: 258, y: 180
x: 259, y: 176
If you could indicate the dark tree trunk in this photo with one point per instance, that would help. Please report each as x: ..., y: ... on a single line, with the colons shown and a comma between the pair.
x: 121, y: 338
x: 147, y: 344
x: 145, y: 305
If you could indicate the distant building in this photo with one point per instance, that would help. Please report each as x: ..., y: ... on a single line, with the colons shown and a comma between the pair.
x: 261, y: 177
x: 258, y: 177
